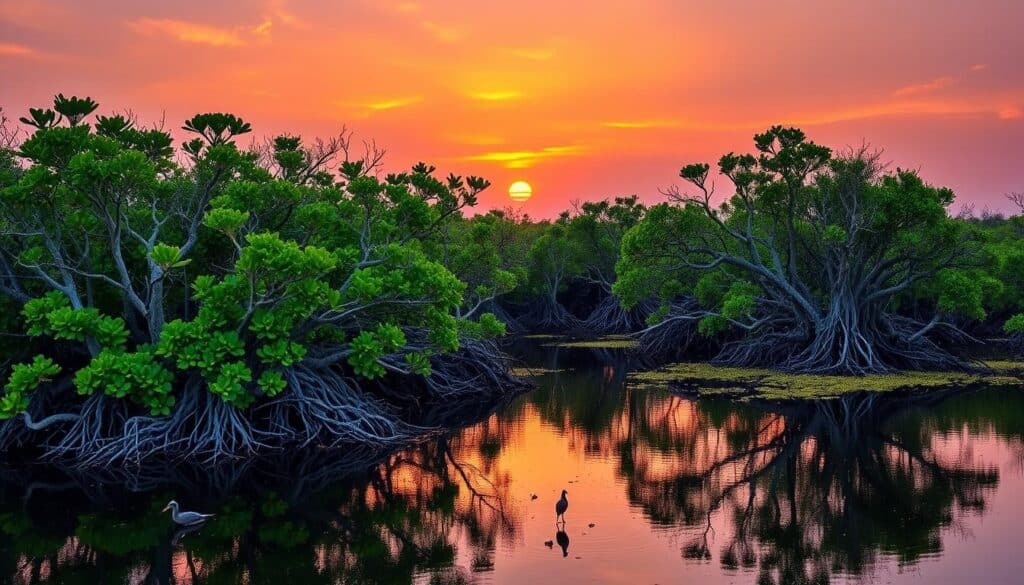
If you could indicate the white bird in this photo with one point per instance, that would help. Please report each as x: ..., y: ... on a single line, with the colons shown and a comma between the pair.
x: 185, y: 518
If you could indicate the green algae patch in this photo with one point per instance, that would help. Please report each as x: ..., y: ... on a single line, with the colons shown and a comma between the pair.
x: 710, y: 380
x: 609, y: 342
x: 522, y: 372
x: 1011, y: 367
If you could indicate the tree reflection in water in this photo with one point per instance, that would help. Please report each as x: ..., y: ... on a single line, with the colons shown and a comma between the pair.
x: 811, y: 492
x: 795, y: 493
x: 317, y: 519
x: 399, y: 521
x: 808, y: 490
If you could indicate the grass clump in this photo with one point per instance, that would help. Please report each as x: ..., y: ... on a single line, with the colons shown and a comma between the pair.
x: 706, y: 379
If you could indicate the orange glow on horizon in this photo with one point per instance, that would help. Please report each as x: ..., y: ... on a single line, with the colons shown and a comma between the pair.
x: 595, y: 102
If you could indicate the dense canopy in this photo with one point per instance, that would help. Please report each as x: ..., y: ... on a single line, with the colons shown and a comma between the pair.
x: 817, y: 263
x: 219, y: 301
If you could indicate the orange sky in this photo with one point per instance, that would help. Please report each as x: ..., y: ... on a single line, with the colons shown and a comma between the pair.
x: 583, y: 100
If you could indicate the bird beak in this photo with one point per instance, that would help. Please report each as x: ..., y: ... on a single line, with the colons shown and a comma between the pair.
x: 166, y: 508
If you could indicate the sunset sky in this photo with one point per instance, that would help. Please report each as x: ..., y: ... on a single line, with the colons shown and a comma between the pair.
x: 582, y: 100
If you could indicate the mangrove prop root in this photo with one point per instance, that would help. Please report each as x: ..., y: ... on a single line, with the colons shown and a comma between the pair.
x: 322, y: 408
x: 610, y: 317
x: 841, y: 346
x: 476, y: 369
x: 513, y: 324
x: 844, y: 342
x: 672, y: 334
x: 550, y: 315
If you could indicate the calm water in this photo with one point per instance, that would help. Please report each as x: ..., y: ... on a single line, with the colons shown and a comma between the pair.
x: 662, y: 489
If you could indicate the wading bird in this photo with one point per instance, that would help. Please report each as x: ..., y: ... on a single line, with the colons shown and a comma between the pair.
x: 185, y: 518
x: 561, y: 506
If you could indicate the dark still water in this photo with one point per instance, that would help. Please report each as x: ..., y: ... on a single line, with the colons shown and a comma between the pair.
x: 662, y: 489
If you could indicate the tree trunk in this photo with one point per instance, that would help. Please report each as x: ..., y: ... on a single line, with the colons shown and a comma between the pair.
x: 155, y: 318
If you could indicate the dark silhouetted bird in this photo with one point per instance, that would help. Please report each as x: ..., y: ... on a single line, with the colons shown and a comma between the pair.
x: 561, y: 506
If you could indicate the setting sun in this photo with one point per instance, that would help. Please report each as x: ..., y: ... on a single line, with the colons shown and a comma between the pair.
x: 520, y: 191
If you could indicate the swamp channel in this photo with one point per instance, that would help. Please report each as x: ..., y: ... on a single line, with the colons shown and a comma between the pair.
x: 663, y: 487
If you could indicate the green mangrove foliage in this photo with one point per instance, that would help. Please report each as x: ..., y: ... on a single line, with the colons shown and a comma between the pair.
x: 1005, y: 262
x: 817, y: 263
x: 481, y: 252
x: 216, y: 300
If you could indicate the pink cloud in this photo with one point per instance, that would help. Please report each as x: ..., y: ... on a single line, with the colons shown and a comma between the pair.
x: 189, y: 32
x: 932, y: 85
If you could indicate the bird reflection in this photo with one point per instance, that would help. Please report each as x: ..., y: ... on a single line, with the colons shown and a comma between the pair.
x: 184, y: 531
x: 563, y: 541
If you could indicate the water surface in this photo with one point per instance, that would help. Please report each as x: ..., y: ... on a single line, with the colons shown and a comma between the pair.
x: 662, y: 489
